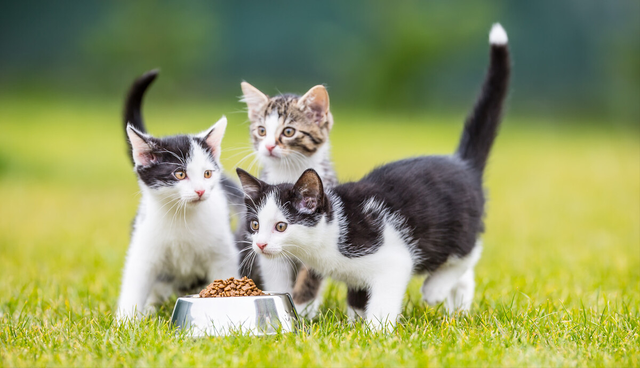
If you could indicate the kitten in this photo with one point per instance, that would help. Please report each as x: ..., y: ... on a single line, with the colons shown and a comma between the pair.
x: 415, y: 216
x: 289, y: 134
x: 181, y: 236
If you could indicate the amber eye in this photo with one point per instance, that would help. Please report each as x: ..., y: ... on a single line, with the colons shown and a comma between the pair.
x: 207, y: 174
x: 281, y: 226
x: 262, y: 131
x: 255, y: 225
x: 180, y: 175
x: 289, y: 132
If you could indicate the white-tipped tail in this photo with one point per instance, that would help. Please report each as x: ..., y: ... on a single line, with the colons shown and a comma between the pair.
x: 498, y: 36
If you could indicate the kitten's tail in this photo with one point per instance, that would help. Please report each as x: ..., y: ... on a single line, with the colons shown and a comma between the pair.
x: 481, y: 127
x: 133, y: 104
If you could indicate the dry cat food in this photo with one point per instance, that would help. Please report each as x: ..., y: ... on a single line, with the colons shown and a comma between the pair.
x: 231, y: 287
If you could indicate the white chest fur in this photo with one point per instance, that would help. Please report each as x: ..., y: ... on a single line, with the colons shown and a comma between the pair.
x: 173, y: 247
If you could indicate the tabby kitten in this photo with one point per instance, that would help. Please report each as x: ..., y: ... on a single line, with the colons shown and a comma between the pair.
x: 181, y: 236
x: 289, y: 134
x: 421, y: 215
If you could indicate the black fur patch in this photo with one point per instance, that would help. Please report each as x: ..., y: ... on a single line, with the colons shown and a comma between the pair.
x: 171, y: 154
x: 357, y: 298
x: 437, y: 201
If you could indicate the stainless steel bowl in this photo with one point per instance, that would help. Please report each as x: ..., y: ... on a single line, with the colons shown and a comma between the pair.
x: 255, y: 315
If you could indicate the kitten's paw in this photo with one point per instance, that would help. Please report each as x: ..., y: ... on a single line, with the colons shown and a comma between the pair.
x: 435, y: 294
x: 124, y: 317
x: 355, y: 314
x: 309, y: 309
x: 378, y: 325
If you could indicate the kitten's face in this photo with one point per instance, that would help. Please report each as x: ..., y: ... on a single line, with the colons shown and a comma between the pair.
x: 179, y: 168
x: 283, y: 218
x: 288, y: 126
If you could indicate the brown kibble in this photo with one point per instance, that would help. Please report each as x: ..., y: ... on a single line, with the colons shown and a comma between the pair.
x: 231, y: 287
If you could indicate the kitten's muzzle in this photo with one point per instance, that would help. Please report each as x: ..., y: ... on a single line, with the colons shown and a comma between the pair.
x: 267, y: 252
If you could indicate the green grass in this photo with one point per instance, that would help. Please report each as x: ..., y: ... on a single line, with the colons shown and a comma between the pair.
x: 558, y: 284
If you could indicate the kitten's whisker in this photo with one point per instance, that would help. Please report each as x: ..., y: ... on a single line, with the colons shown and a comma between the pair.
x: 239, y: 163
x: 253, y: 258
x: 255, y: 160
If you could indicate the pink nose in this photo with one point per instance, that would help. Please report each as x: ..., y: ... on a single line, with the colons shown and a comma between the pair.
x: 200, y: 192
x: 269, y: 147
x: 261, y: 245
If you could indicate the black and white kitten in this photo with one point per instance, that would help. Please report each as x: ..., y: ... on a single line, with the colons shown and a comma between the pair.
x: 181, y: 236
x: 421, y: 215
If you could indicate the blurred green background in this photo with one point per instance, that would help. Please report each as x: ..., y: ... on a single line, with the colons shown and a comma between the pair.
x: 559, y: 281
x: 571, y: 57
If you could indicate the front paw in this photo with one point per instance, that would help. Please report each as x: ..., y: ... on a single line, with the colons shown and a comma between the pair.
x: 124, y: 317
x: 381, y: 325
x: 435, y: 295
x: 355, y: 314
x: 309, y: 309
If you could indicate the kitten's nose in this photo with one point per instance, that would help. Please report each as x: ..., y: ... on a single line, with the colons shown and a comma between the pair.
x: 200, y: 192
x: 269, y: 147
x: 261, y: 245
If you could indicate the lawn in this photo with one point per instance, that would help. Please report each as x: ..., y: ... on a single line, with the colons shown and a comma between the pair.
x: 558, y: 283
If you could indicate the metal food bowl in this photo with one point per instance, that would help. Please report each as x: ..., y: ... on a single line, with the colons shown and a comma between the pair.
x: 253, y: 315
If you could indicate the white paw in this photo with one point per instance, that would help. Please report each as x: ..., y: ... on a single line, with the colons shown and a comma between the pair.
x: 124, y: 317
x: 355, y: 314
x: 435, y: 294
x: 308, y: 310
x: 380, y: 325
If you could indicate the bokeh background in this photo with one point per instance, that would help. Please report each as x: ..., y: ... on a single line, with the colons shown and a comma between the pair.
x: 576, y: 56
x: 563, y: 222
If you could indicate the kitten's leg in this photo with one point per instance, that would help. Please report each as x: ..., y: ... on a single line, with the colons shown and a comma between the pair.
x: 307, y: 292
x: 439, y: 284
x: 461, y: 295
x: 277, y: 275
x: 357, y: 302
x: 385, y: 297
x: 137, y: 280
x: 160, y: 292
x: 222, y: 268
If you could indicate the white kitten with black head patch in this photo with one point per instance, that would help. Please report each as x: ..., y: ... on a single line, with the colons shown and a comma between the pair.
x: 416, y: 216
x: 181, y: 236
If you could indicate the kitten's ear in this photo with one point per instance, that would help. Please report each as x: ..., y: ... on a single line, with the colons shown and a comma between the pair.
x: 309, y: 192
x: 251, y: 185
x: 141, y: 149
x: 213, y: 136
x: 256, y: 101
x: 317, y: 101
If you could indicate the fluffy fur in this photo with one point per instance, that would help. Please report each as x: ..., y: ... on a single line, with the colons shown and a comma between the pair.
x: 421, y: 215
x: 289, y: 134
x: 181, y: 237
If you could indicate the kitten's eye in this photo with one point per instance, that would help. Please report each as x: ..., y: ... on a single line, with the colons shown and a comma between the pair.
x: 289, y: 132
x: 281, y: 226
x: 255, y: 225
x: 180, y: 175
x: 207, y: 174
x: 262, y: 131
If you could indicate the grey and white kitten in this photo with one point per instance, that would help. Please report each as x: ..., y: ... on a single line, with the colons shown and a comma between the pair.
x: 181, y: 237
x: 422, y: 216
x: 289, y: 134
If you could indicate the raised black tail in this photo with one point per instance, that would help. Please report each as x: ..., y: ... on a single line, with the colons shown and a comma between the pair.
x: 481, y: 127
x: 133, y: 103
